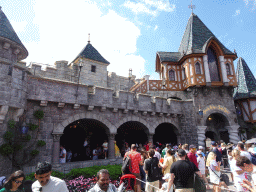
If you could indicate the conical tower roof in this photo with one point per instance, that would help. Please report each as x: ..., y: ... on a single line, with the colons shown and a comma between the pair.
x: 89, y: 52
x: 246, y: 81
x: 196, y: 37
x: 195, y: 40
x: 7, y: 32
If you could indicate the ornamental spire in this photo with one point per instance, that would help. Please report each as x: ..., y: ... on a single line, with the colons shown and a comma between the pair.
x: 191, y: 6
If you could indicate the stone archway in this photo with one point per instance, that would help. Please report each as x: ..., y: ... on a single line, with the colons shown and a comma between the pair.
x: 75, y: 134
x: 58, y: 130
x: 166, y: 133
x: 218, y: 125
x: 230, y: 128
x: 131, y: 132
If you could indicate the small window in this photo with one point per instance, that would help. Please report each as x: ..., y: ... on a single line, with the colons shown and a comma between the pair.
x: 93, y: 69
x: 198, y: 68
x: 228, y: 69
x: 10, y: 70
x: 183, y: 73
x: 172, y: 75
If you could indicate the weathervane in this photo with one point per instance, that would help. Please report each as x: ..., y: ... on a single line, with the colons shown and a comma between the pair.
x: 89, y: 38
x: 191, y: 6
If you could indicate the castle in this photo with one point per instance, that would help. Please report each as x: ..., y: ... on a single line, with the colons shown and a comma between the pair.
x: 193, y: 99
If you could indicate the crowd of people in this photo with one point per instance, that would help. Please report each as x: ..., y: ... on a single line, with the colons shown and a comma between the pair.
x: 170, y: 168
x: 173, y: 167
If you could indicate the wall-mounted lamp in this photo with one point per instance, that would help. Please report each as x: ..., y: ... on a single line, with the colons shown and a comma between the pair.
x: 209, y: 118
x: 24, y: 129
x: 200, y: 112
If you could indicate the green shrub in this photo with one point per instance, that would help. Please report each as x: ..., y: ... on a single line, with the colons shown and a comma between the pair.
x: 32, y: 126
x: 114, y: 171
x: 34, y: 152
x: 39, y: 114
x: 41, y: 143
x: 28, y: 137
x: 58, y: 174
x: 11, y: 123
x: 17, y: 147
x: 6, y: 149
x: 31, y: 177
x: 8, y: 135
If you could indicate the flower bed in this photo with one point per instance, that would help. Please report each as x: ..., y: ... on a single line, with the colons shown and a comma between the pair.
x: 82, y: 184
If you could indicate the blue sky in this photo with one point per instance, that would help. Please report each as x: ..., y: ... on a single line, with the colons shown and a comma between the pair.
x: 127, y: 33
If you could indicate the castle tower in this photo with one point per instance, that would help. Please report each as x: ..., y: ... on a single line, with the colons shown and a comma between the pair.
x: 245, y: 94
x: 203, y: 69
x: 13, y: 83
x: 94, y: 70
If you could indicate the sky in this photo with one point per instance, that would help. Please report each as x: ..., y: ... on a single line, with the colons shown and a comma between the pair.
x: 127, y: 33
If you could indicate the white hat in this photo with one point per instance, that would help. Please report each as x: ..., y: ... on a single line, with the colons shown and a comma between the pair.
x: 167, y: 176
x: 200, y: 147
x: 199, y: 152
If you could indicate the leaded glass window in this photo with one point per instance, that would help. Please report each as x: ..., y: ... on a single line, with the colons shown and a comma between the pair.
x: 171, y: 75
x: 213, y: 65
x: 198, y: 68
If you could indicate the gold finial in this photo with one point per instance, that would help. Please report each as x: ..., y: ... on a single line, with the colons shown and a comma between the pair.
x: 89, y: 38
x: 191, y: 6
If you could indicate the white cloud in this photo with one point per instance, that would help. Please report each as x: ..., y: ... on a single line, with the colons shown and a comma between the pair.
x: 237, y: 12
x: 64, y: 29
x: 252, y: 2
x: 19, y: 26
x: 156, y: 27
x: 150, y: 7
x: 139, y: 8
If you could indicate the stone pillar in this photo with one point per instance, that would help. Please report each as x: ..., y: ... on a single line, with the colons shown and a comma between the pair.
x: 223, y: 70
x: 201, y: 135
x: 56, y: 148
x: 206, y: 70
x: 111, y: 146
x: 150, y: 137
x: 147, y: 79
x: 233, y: 133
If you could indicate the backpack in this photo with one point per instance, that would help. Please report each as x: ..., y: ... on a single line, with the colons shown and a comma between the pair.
x: 155, y: 172
x: 126, y: 166
x: 253, y: 159
x: 199, y: 185
x: 224, y: 177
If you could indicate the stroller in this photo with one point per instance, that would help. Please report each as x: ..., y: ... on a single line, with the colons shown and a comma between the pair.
x: 127, y: 183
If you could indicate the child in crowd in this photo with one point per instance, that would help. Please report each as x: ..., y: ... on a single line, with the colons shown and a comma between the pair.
x: 201, y: 167
x: 230, y: 157
x: 165, y: 184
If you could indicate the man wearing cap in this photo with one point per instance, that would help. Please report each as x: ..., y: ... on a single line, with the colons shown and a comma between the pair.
x: 191, y: 155
x: 182, y: 174
x: 216, y: 151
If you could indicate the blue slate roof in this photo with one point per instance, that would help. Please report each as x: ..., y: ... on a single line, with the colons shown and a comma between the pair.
x: 6, y: 29
x: 194, y: 40
x: 246, y: 81
x: 90, y: 52
x: 169, y: 56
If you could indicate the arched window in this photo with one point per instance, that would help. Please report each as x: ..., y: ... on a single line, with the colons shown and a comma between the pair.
x: 172, y: 75
x: 213, y: 65
x: 228, y: 69
x: 198, y: 68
